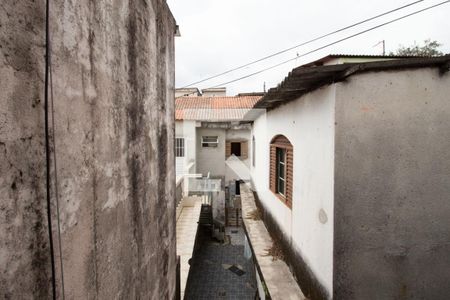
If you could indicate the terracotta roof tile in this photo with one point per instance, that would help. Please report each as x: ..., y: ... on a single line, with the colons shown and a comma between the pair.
x: 213, y: 108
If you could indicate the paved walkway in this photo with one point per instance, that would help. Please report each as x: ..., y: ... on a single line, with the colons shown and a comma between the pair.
x: 187, y: 224
x: 277, y: 276
x: 221, y: 271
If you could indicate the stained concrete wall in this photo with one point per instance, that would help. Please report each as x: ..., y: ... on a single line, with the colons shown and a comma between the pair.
x: 392, y: 175
x: 113, y: 81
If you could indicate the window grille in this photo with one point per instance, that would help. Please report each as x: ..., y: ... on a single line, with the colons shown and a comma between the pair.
x: 179, y: 147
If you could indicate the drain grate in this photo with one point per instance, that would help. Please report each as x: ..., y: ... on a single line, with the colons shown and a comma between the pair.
x: 234, y: 231
x: 236, y: 270
x: 221, y: 293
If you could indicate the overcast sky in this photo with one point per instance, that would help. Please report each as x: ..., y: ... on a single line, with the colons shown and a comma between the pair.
x: 217, y: 35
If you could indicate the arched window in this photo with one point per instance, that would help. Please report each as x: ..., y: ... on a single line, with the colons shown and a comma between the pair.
x: 281, y: 168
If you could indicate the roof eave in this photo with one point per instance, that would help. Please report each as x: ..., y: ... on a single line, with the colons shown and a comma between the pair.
x: 303, y: 80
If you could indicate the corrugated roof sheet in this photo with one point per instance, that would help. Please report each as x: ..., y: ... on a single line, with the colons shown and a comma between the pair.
x: 303, y: 79
x: 213, y: 108
x: 329, y: 57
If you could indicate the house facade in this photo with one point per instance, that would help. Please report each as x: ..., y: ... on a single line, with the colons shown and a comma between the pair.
x: 212, y: 138
x: 351, y: 165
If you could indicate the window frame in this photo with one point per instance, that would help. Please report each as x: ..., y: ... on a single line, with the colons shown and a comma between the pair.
x: 240, y: 148
x: 180, y: 147
x: 281, y: 177
x: 210, y: 144
x: 284, y: 190
x: 244, y: 148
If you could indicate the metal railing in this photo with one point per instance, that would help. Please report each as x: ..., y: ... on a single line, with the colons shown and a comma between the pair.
x: 179, y: 191
x: 195, y: 184
x: 178, y: 280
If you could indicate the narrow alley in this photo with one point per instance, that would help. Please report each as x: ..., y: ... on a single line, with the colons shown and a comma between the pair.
x: 229, y: 150
x: 221, y: 270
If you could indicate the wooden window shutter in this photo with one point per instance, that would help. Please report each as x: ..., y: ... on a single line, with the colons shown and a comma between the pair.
x: 228, y: 149
x: 244, y: 150
x: 280, y: 141
x: 289, y: 175
x: 273, y: 171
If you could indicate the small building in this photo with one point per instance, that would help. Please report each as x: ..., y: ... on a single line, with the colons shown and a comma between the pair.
x: 210, y: 129
x: 215, y: 92
x: 187, y: 92
x: 195, y: 92
x: 212, y: 139
x: 352, y: 173
x: 337, y: 59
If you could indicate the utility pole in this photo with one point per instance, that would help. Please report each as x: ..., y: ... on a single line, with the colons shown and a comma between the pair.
x: 383, y: 42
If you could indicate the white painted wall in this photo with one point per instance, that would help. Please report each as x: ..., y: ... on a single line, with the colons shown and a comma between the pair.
x: 211, y: 159
x: 236, y: 170
x: 352, y: 60
x: 186, y: 129
x: 308, y: 123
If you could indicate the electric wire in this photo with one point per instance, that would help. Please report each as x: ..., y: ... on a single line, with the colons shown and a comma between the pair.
x: 55, y: 171
x: 305, y: 43
x: 328, y: 45
x: 47, y: 146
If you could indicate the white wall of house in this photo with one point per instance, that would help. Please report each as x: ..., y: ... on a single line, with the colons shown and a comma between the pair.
x: 211, y: 159
x: 352, y: 60
x: 187, y: 130
x: 238, y: 170
x: 308, y: 123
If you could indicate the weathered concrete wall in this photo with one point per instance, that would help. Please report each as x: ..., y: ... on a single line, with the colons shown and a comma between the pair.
x: 392, y: 175
x: 24, y: 254
x: 113, y: 80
